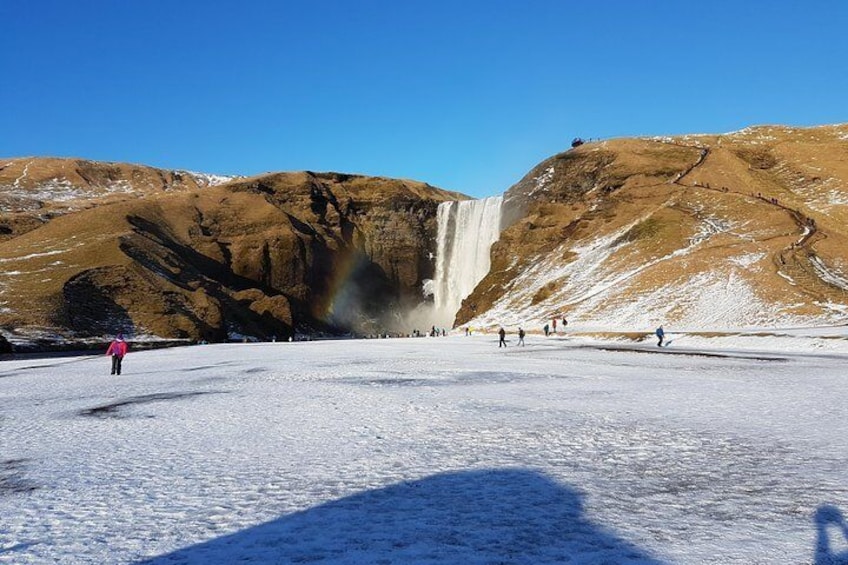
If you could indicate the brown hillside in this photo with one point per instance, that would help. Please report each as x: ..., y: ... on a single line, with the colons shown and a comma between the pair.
x: 747, y: 228
x: 259, y: 256
x: 34, y: 190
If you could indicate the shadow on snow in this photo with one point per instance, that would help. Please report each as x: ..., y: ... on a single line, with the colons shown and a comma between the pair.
x: 831, y: 536
x: 492, y: 516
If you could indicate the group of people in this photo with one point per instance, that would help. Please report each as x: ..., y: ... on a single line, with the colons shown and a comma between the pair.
x: 118, y: 349
x: 547, y: 328
x: 522, y: 333
x: 660, y: 333
x: 502, y: 336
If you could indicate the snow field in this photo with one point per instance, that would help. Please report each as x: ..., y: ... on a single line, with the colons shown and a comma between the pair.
x: 432, y: 450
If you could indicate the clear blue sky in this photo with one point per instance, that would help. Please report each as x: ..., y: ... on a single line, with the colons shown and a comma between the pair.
x: 465, y: 95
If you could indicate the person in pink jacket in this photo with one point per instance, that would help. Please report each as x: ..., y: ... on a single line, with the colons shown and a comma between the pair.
x: 117, y: 349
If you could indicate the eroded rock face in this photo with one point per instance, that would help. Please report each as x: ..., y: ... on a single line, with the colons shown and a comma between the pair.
x: 262, y: 256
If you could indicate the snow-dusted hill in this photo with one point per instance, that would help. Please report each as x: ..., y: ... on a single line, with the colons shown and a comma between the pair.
x: 707, y: 232
x: 432, y: 450
x: 55, y: 185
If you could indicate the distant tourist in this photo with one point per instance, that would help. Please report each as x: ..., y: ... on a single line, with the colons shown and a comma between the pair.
x: 547, y: 330
x: 553, y: 324
x: 502, y: 334
x: 117, y: 349
x: 520, y: 336
x: 660, y: 336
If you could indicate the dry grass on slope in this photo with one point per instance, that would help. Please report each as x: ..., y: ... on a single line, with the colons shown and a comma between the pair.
x: 35, y: 190
x: 706, y: 231
x: 37, y: 264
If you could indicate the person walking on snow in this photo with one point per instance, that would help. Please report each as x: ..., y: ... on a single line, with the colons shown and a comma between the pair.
x: 117, y: 349
x: 553, y: 323
x: 502, y: 334
x: 521, y: 336
x: 547, y: 329
x: 660, y: 335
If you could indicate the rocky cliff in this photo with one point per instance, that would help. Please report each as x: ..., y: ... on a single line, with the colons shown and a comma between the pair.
x: 92, y: 248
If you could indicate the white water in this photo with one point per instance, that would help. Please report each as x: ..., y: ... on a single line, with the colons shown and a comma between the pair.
x: 466, y: 232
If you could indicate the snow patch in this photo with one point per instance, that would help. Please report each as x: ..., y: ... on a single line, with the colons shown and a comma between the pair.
x: 708, y: 227
x: 787, y: 277
x: 542, y: 181
x: 33, y: 255
x: 748, y: 260
x: 208, y: 179
x: 756, y: 134
x: 17, y: 183
x: 828, y: 275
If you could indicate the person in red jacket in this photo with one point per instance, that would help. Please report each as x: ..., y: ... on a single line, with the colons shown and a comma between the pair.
x: 117, y: 349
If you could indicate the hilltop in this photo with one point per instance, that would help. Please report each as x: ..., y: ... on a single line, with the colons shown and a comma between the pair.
x: 700, y: 231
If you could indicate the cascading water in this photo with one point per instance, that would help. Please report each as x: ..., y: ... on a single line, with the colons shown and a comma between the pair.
x: 466, y: 231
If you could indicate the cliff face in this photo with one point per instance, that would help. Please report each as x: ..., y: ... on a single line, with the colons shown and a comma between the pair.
x: 260, y: 256
x: 708, y: 231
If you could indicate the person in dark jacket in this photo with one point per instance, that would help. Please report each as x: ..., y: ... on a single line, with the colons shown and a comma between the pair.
x: 521, y: 336
x: 502, y: 334
x: 660, y: 335
x: 118, y: 350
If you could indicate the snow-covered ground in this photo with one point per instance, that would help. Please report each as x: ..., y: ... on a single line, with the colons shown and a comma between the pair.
x: 432, y: 450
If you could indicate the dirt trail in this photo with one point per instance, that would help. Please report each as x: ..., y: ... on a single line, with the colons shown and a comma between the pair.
x: 799, y: 257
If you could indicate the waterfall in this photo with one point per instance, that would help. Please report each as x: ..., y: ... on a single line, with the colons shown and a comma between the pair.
x: 466, y: 231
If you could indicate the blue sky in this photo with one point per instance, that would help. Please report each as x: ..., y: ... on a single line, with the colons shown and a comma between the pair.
x: 464, y: 95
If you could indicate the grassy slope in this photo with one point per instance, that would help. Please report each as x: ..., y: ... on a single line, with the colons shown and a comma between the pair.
x: 700, y: 231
